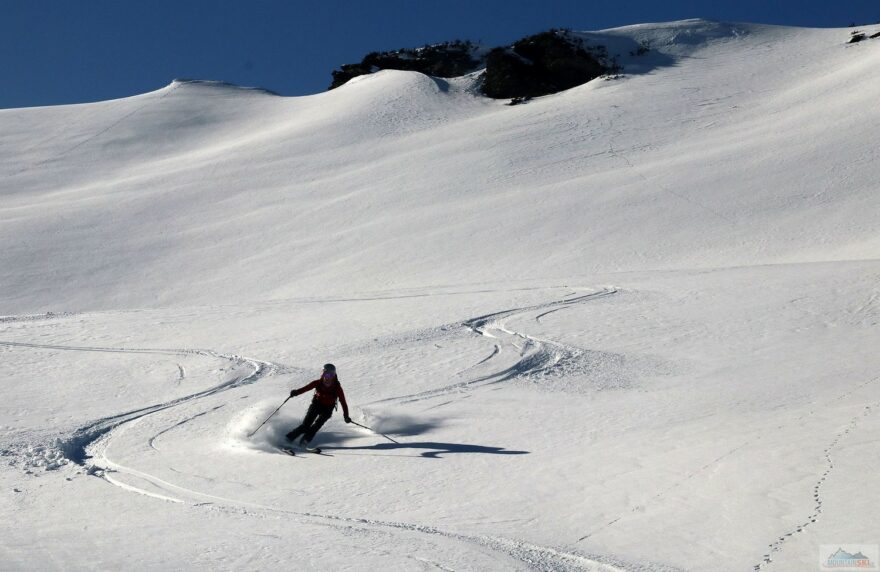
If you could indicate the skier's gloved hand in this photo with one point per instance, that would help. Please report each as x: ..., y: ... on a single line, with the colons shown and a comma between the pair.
x: 347, y: 419
x: 293, y: 393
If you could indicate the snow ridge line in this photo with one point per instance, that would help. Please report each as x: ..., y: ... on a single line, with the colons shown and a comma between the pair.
x: 73, y: 448
x: 777, y: 545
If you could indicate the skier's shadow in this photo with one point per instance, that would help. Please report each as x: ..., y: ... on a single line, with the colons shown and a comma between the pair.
x: 433, y: 450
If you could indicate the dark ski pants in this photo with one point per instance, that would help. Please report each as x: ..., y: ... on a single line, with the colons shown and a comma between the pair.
x: 316, y: 416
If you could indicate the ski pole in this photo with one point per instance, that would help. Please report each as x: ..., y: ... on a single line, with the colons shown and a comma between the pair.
x: 267, y: 418
x: 376, y: 432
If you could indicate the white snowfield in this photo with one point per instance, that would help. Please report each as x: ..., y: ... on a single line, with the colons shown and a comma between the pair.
x: 632, y: 326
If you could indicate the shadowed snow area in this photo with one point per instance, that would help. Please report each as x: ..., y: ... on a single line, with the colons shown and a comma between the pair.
x: 631, y: 326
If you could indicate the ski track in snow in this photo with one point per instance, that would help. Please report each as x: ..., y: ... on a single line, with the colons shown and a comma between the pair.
x: 73, y: 447
x: 152, y: 441
x: 634, y: 149
x: 532, y: 556
x: 537, y: 357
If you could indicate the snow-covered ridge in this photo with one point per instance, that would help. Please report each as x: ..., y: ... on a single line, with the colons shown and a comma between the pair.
x: 219, y: 85
x: 186, y: 180
x: 631, y: 326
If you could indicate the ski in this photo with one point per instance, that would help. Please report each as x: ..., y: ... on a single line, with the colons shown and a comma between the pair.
x: 302, y: 446
x: 292, y: 450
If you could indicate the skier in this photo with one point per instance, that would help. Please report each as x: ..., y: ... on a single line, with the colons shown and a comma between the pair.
x: 327, y: 391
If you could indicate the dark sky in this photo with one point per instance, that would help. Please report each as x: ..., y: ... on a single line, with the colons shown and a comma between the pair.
x: 67, y: 51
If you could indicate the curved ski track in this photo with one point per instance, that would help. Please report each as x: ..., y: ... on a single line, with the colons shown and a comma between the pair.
x: 536, y: 357
x: 531, y: 555
x: 73, y: 448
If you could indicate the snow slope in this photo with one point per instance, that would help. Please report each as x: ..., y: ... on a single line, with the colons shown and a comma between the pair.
x: 729, y: 156
x: 630, y: 326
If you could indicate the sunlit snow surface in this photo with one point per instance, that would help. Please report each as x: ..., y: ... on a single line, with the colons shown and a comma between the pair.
x: 631, y: 326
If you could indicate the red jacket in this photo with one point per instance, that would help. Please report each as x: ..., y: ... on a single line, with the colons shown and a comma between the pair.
x: 326, y: 395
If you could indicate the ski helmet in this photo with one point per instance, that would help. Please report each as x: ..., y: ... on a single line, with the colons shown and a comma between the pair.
x: 329, y: 368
